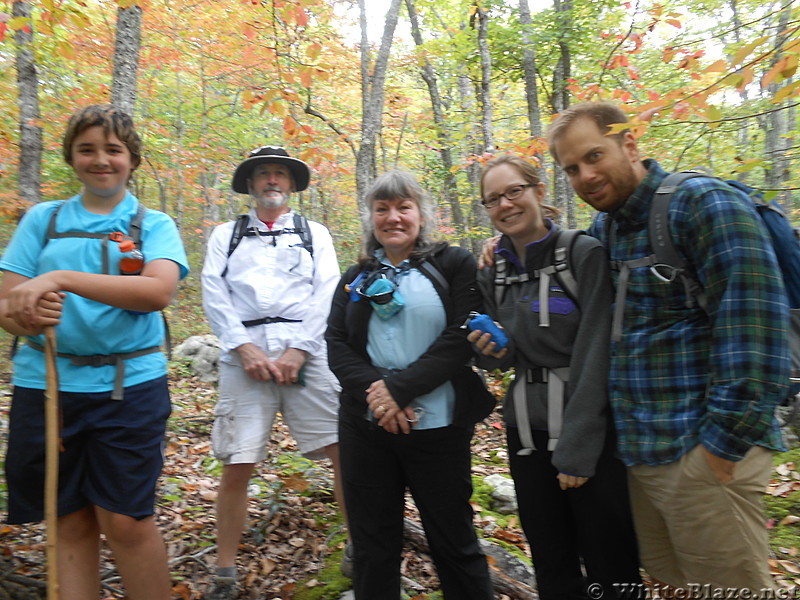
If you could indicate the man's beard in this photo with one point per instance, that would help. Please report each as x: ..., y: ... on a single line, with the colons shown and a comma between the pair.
x: 270, y: 197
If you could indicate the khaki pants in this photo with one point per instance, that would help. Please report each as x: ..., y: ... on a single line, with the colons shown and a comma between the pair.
x: 695, y: 531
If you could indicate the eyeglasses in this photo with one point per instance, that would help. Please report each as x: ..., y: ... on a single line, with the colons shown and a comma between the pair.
x: 511, y: 193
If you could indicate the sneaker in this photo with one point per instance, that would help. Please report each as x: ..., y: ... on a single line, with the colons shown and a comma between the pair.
x: 222, y: 588
x: 347, y: 560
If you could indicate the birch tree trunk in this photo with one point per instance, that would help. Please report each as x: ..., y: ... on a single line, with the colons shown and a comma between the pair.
x: 446, y: 145
x: 30, y: 132
x: 372, y: 90
x: 126, y: 58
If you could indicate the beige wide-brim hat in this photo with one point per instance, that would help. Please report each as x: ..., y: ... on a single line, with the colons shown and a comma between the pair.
x: 270, y: 154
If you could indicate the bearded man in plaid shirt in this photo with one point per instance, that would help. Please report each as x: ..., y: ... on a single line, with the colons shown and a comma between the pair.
x: 693, y: 390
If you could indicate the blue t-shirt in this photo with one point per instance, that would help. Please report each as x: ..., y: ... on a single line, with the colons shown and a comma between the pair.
x: 88, y: 327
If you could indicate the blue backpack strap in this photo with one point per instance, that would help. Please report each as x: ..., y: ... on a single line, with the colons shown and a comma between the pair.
x: 661, y: 242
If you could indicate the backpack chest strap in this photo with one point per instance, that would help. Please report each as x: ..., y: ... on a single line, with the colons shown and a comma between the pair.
x: 560, y: 268
x: 692, y: 288
x: 103, y: 237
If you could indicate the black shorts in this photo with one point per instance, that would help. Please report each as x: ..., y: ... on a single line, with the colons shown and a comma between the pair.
x: 113, y: 451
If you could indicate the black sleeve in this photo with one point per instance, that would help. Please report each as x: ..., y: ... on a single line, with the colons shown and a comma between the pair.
x: 347, y: 356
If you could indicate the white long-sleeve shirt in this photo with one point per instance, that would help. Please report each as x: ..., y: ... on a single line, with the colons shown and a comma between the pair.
x: 269, y: 276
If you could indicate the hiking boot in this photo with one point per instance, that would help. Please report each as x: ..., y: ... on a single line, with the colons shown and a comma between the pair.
x: 347, y: 560
x: 222, y: 588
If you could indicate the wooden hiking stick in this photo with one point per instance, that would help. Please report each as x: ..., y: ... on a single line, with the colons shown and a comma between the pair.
x: 52, y: 446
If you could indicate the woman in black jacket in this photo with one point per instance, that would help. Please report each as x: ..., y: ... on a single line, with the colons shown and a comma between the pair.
x: 409, y: 401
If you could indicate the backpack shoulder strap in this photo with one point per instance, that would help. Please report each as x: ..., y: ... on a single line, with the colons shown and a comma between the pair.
x: 238, y: 232
x: 665, y: 262
x: 665, y: 253
x: 500, y: 271
x: 435, y: 274
x: 302, y: 229
x: 660, y: 238
x: 563, y: 261
x: 502, y: 278
x: 562, y: 270
x: 50, y: 232
x: 440, y: 271
x: 135, y: 227
x: 239, y: 229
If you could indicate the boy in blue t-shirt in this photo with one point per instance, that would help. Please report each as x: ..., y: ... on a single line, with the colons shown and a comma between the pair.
x: 112, y: 375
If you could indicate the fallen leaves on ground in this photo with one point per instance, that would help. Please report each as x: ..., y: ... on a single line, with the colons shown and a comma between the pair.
x: 290, y: 531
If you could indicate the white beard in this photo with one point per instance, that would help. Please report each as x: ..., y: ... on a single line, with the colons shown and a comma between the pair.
x: 270, y: 198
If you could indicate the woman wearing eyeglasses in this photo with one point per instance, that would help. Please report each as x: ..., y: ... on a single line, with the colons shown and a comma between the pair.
x: 550, y: 291
x: 409, y: 401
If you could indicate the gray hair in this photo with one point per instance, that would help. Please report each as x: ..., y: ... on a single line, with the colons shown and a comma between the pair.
x: 391, y: 186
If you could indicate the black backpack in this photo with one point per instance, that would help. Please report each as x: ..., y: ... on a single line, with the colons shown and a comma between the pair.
x: 240, y: 230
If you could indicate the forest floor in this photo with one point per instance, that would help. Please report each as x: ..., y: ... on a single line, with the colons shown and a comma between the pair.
x: 295, y: 538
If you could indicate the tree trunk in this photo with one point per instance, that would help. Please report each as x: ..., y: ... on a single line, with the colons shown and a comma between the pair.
x: 776, y: 125
x: 480, y: 219
x: 372, y: 86
x: 563, y: 195
x: 179, y: 125
x: 486, y: 78
x: 30, y: 132
x: 530, y: 71
x: 530, y: 74
x: 446, y: 146
x: 126, y: 58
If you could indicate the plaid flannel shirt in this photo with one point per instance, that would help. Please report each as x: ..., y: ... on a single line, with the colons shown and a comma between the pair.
x: 683, y: 376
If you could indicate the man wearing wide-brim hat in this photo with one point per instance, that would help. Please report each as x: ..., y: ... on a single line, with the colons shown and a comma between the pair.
x: 268, y: 280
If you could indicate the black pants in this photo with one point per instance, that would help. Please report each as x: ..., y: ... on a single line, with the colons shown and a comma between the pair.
x: 591, y: 525
x: 434, y: 465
